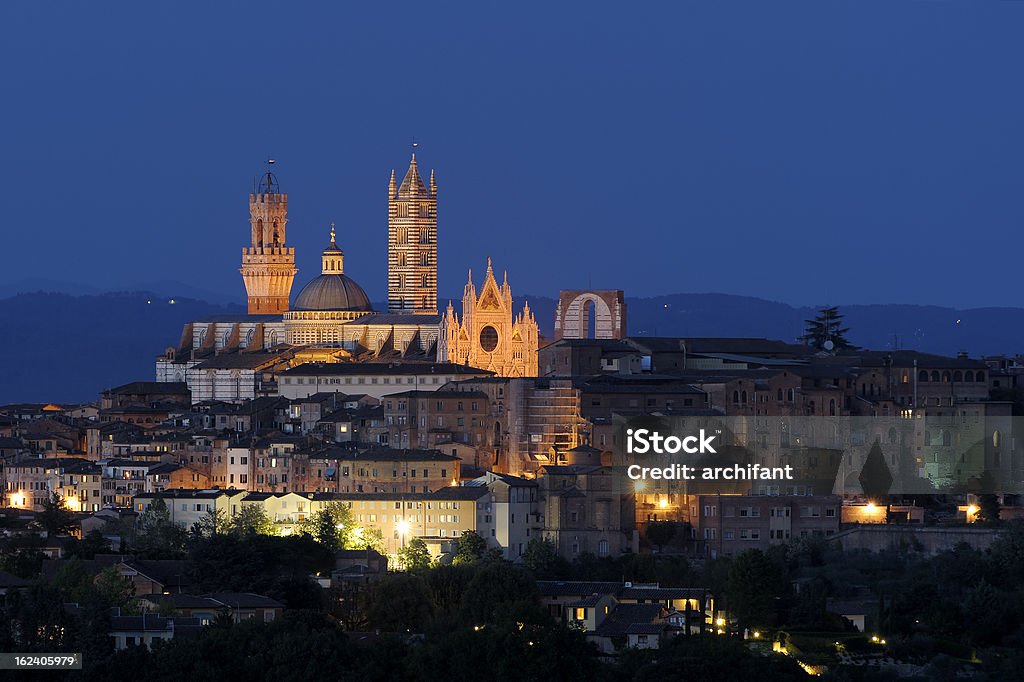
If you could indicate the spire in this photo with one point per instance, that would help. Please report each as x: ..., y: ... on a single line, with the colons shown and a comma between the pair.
x: 490, y: 270
x: 412, y: 185
x: 433, y: 184
x: 333, y: 258
x: 391, y: 184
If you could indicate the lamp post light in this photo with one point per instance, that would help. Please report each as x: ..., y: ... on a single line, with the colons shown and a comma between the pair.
x: 403, y: 529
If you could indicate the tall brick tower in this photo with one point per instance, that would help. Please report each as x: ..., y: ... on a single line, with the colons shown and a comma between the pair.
x: 412, y: 243
x: 268, y: 266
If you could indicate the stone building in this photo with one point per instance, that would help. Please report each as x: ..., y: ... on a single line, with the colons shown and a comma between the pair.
x: 374, y: 379
x: 582, y: 510
x: 590, y: 315
x: 489, y: 335
x: 412, y: 244
x: 29, y: 481
x: 326, y: 303
x: 332, y: 319
x: 728, y: 524
x: 268, y: 265
x: 395, y: 470
x: 430, y: 419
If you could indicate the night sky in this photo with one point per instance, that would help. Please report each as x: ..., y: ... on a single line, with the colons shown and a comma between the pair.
x: 807, y: 152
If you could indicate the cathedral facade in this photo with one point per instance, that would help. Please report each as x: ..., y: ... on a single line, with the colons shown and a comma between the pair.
x: 489, y: 335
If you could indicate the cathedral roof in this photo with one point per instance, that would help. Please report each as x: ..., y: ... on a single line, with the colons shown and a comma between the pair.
x: 332, y: 292
x: 398, y: 319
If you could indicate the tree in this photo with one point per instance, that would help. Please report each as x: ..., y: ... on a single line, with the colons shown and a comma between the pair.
x: 92, y: 544
x: 707, y: 658
x: 754, y: 583
x: 825, y: 332
x: 56, y: 518
x: 157, y: 536
x: 333, y: 527
x: 471, y: 548
x: 988, y: 508
x: 370, y: 538
x: 213, y: 522
x: 415, y: 556
x: 497, y: 591
x: 541, y: 558
x: 251, y: 520
x: 264, y: 564
x: 661, y: 532
x: 398, y: 602
x: 113, y: 590
x: 875, y: 478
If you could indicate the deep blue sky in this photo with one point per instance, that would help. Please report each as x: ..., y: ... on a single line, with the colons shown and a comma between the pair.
x: 807, y: 152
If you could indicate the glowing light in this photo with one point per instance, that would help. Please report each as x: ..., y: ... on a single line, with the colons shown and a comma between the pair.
x: 871, y: 507
x: 71, y: 503
x: 757, y: 635
x: 809, y: 669
x: 663, y: 503
x: 972, y: 510
x: 402, y: 527
x: 874, y: 638
x: 720, y: 622
x: 639, y: 486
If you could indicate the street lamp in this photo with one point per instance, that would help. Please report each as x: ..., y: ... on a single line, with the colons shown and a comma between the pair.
x: 403, y: 529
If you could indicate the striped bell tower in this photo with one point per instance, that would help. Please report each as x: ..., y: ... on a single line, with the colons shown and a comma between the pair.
x: 412, y: 243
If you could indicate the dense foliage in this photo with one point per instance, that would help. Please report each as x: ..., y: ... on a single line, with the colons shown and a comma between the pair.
x: 962, y: 609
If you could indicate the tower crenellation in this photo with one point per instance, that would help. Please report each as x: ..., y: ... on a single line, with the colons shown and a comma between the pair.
x: 268, y: 264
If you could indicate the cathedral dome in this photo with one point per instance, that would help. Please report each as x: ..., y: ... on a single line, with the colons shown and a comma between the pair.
x: 332, y: 292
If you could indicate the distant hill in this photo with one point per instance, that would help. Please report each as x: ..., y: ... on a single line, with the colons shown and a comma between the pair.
x: 933, y: 329
x: 60, y: 347
x: 162, y: 288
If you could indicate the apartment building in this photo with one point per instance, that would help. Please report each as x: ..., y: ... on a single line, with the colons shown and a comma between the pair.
x: 723, y: 525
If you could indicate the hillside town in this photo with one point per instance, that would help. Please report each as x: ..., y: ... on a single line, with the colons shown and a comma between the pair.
x: 318, y: 459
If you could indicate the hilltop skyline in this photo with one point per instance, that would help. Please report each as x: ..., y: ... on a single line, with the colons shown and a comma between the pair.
x: 699, y: 140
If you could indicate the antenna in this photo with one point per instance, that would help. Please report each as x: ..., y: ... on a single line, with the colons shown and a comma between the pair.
x: 269, y: 180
